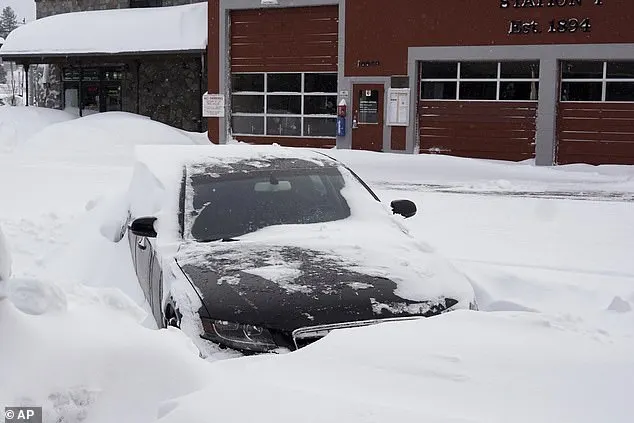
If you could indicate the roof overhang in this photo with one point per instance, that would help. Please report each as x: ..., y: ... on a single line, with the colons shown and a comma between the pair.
x: 35, y: 58
x: 116, y: 33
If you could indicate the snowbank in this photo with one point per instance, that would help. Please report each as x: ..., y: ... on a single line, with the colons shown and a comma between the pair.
x: 102, y: 139
x: 90, y: 362
x: 459, y: 367
x: 161, y: 29
x: 456, y: 174
x: 20, y: 123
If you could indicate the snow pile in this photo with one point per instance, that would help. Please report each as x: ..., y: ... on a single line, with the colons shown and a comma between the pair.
x: 102, y: 139
x: 456, y: 174
x: 89, y: 362
x: 459, y: 367
x: 161, y: 29
x: 20, y: 123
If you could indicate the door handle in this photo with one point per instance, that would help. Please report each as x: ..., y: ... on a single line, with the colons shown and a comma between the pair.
x: 142, y: 243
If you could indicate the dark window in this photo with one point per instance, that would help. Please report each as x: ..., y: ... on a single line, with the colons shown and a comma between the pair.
x: 284, y: 104
x: 287, y: 126
x: 320, y: 104
x: 146, y: 3
x: 581, y: 91
x: 519, y: 70
x: 284, y: 82
x: 620, y: 70
x: 478, y: 70
x: 439, y: 90
x: 320, y: 127
x: 597, y: 81
x: 294, y: 94
x: 620, y: 91
x: 98, y: 91
x: 440, y: 70
x: 248, y: 125
x: 582, y: 70
x: 239, y: 204
x: 485, y: 81
x: 369, y: 107
x: 250, y: 82
x: 320, y: 83
x: 477, y: 90
x: 247, y: 104
x: 518, y: 90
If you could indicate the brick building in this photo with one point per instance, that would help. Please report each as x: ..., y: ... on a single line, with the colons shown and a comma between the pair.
x: 550, y: 80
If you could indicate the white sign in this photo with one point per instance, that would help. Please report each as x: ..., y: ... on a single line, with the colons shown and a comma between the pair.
x: 213, y: 105
x: 398, y: 107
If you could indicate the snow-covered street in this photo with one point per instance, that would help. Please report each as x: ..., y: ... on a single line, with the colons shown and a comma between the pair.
x: 548, y: 251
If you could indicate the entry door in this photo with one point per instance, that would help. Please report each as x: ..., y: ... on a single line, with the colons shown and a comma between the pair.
x: 367, y: 112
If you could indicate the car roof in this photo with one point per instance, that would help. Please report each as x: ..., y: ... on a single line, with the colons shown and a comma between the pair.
x: 168, y: 161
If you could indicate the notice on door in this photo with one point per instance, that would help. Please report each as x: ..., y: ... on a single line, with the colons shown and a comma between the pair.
x: 398, y: 107
x: 213, y: 105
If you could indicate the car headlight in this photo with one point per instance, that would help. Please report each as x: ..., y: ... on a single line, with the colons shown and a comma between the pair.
x: 239, y: 336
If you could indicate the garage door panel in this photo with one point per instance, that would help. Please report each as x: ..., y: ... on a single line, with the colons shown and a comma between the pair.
x: 483, y: 143
x: 595, y: 133
x: 464, y: 108
x: 492, y: 130
x: 620, y: 149
x: 598, y: 125
x: 289, y: 47
x: 596, y: 136
x: 486, y: 123
x: 295, y: 39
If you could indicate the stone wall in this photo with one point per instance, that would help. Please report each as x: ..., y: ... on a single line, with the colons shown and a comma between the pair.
x: 46, y: 8
x: 170, y: 91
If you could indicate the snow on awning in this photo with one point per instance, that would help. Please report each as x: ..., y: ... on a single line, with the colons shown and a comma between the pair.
x: 106, y: 32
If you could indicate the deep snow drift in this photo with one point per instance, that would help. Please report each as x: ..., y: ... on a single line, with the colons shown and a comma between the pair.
x: 72, y: 341
x: 17, y: 124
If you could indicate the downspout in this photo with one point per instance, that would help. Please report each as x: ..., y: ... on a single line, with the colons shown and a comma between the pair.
x: 138, y: 83
x: 79, y: 94
x: 200, y: 92
x: 26, y: 77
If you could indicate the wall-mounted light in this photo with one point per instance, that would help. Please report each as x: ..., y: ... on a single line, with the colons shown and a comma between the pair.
x: 269, y: 2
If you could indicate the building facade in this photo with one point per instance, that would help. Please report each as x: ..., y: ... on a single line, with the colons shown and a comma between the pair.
x: 550, y: 80
x: 165, y: 86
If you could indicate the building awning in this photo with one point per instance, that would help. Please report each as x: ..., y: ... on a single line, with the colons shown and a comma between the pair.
x: 159, y: 30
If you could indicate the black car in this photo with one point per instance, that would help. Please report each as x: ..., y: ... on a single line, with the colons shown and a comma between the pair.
x: 266, y: 248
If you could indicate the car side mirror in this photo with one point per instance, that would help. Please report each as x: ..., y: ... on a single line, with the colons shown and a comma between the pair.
x: 405, y: 208
x: 143, y: 226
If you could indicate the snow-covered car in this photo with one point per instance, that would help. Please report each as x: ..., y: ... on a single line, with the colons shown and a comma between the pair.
x: 267, y: 248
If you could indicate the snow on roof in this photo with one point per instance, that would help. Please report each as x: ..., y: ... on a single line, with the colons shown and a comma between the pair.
x: 117, y: 31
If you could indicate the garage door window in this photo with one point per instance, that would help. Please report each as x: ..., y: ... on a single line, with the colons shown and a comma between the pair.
x: 480, y: 81
x: 284, y: 104
x: 597, y: 81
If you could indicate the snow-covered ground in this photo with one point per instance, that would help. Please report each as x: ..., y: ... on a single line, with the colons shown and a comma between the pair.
x: 550, y: 261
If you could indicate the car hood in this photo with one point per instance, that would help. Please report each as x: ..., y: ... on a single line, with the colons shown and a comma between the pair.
x: 287, y: 287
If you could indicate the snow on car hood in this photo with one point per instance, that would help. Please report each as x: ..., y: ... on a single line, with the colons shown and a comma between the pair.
x: 376, y: 249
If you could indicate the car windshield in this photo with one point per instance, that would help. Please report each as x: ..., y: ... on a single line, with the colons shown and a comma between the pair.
x: 235, y: 204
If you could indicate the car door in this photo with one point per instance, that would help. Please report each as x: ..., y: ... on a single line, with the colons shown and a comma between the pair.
x: 156, y: 288
x: 142, y: 253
